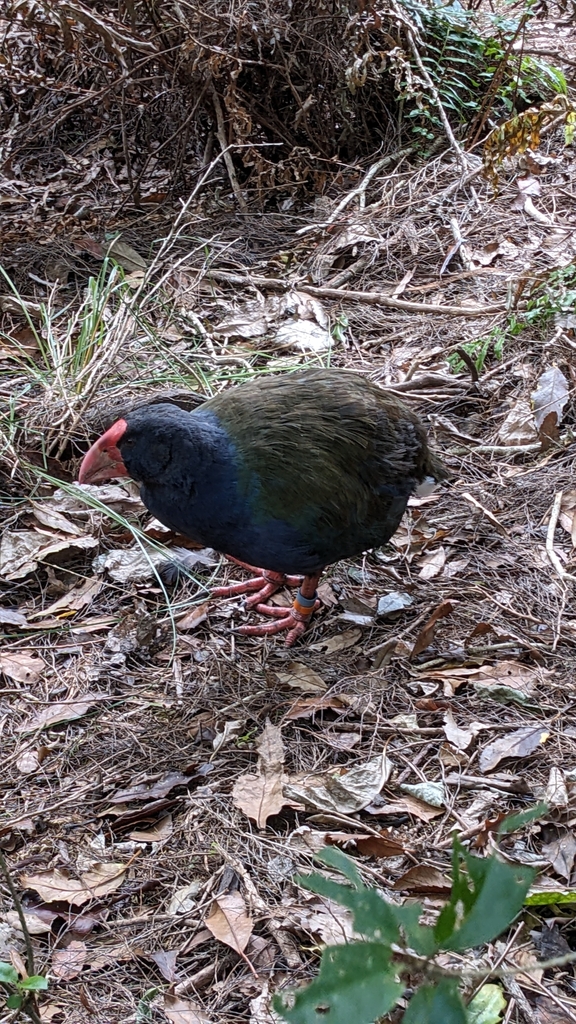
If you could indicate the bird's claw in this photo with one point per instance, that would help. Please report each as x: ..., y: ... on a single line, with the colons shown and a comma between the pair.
x: 286, y: 618
x: 265, y: 583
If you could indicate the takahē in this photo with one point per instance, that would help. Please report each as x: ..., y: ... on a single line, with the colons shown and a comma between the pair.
x: 289, y: 472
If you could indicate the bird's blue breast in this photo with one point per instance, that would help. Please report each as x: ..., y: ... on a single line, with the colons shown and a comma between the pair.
x: 209, y: 496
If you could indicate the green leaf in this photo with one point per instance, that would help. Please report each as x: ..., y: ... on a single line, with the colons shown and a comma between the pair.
x: 485, y: 901
x: 373, y: 917
x: 515, y: 821
x: 487, y: 1006
x: 436, y: 1004
x: 14, y: 1002
x: 550, y: 897
x: 8, y: 976
x: 36, y: 983
x: 356, y: 984
x: 334, y: 858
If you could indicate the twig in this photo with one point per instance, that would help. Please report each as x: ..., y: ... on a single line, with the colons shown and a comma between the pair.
x: 381, y: 299
x: 552, y: 556
x: 221, y: 136
x: 359, y: 190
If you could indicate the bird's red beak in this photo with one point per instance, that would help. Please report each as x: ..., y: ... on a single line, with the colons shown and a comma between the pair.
x: 103, y: 461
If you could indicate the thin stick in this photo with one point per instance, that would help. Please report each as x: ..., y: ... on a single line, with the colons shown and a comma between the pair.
x: 221, y: 136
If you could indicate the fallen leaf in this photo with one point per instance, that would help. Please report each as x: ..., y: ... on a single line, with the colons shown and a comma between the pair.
x: 550, y: 396
x: 326, y: 922
x: 67, y: 963
x: 35, y: 925
x: 561, y: 853
x: 159, y: 832
x: 520, y: 743
x: 29, y: 760
x: 394, y: 602
x: 165, y: 960
x: 21, y: 550
x: 55, y: 520
x: 460, y: 738
x: 567, y: 517
x: 12, y: 617
x: 432, y: 793
x: 556, y: 791
x: 308, y: 706
x: 432, y: 564
x: 73, y: 601
x: 182, y: 1011
x: 183, y: 900
x: 261, y: 795
x: 423, y: 878
x: 58, y: 885
x: 406, y: 805
x: 194, y: 617
x: 426, y: 634
x: 22, y: 667
x: 229, y: 921
x: 519, y: 427
x: 338, y: 643
x: 301, y: 677
x: 54, y: 714
x: 344, y: 792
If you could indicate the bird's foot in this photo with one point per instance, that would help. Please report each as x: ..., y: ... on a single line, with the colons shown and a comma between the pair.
x: 264, y: 583
x: 294, y: 619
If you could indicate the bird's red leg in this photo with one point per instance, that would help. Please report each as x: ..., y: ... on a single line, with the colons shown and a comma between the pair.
x: 294, y: 619
x: 265, y: 583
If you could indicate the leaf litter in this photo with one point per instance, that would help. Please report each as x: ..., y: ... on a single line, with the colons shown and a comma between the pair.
x: 447, y: 709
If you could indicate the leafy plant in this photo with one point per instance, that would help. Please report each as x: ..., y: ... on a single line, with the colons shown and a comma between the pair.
x: 554, y: 296
x: 481, y: 348
x: 363, y: 980
x: 20, y: 989
x: 466, y: 66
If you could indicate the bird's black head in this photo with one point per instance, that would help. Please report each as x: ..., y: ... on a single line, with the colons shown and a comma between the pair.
x: 141, y: 445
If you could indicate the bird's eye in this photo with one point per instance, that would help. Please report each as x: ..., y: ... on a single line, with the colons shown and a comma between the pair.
x: 128, y: 444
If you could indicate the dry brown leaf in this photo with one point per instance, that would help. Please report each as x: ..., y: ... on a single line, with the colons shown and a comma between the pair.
x: 383, y: 845
x: 182, y: 1011
x: 158, y: 833
x: 194, y: 617
x: 460, y: 738
x: 342, y: 642
x: 407, y: 805
x: 229, y: 921
x: 301, y: 677
x: 73, y: 601
x: 432, y: 564
x: 567, y: 517
x: 261, y: 795
x: 426, y: 634
x: 21, y: 666
x: 165, y: 960
x: 67, y: 963
x: 12, y: 617
x: 305, y: 707
x: 55, y: 520
x: 58, y: 885
x: 325, y: 921
x: 56, y: 713
x: 423, y: 878
x: 343, y: 792
x: 519, y: 426
x: 556, y: 790
x: 30, y: 759
x: 549, y: 399
x: 520, y: 743
x: 561, y: 853
x: 21, y: 550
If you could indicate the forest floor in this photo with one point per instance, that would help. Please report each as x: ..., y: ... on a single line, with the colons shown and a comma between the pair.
x: 144, y: 742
